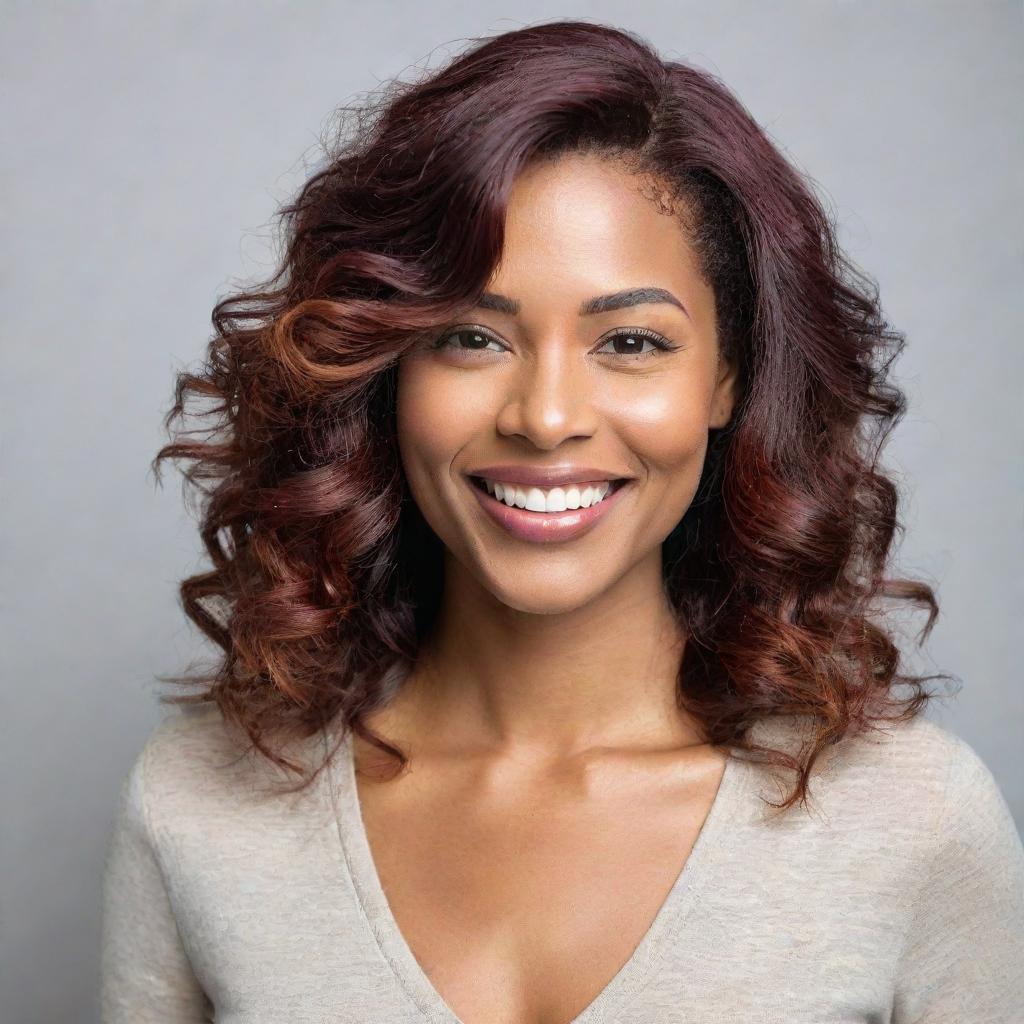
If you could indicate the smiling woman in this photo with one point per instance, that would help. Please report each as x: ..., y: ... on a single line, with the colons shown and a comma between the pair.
x: 557, y: 372
x: 545, y: 516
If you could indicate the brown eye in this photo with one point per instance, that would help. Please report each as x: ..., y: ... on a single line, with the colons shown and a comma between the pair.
x: 474, y: 340
x: 631, y: 343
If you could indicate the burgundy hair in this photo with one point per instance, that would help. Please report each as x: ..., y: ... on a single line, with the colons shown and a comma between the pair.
x: 326, y: 573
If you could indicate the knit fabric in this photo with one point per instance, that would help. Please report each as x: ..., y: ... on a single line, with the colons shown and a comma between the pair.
x: 897, y: 897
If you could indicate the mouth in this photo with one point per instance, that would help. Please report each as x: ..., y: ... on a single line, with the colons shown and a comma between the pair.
x: 587, y: 494
x: 574, y: 508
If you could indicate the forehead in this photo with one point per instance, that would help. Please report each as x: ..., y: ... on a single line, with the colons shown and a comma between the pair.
x: 589, y: 223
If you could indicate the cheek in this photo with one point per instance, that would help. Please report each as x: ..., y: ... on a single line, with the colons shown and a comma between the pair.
x: 668, y: 429
x: 436, y: 415
x: 419, y: 426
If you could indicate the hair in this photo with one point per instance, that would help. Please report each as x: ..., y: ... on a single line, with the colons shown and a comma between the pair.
x: 326, y: 575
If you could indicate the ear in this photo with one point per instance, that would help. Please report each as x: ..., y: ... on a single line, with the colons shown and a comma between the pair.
x: 723, y: 399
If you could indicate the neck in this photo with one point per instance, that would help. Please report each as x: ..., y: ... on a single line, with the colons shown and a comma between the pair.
x: 497, y: 680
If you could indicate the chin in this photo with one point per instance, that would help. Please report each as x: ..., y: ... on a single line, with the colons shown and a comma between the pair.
x: 544, y: 595
x: 528, y: 607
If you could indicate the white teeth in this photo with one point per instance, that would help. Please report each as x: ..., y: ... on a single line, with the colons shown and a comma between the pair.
x: 558, y: 499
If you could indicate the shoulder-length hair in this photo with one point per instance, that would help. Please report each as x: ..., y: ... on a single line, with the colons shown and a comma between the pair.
x: 326, y: 575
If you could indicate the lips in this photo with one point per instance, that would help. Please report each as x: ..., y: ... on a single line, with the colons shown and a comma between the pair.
x: 548, y: 527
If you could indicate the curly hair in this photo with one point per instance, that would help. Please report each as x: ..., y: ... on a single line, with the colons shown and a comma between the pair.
x: 325, y: 577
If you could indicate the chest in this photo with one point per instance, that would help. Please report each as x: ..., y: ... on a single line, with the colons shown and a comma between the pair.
x: 519, y: 911
x: 521, y: 903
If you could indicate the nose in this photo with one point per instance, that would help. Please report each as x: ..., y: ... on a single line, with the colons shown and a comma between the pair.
x: 549, y: 398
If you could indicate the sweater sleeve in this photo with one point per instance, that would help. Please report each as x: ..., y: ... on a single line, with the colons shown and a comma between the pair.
x: 963, y: 962
x: 145, y: 974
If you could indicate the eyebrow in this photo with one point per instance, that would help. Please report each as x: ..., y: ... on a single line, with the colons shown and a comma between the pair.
x: 599, y: 304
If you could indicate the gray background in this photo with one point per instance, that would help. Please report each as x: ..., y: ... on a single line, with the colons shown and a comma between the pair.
x: 146, y: 147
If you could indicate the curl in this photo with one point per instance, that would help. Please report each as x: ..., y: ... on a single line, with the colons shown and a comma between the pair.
x: 325, y: 579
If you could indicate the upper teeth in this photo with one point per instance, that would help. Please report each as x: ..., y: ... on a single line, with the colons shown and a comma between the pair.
x: 557, y: 499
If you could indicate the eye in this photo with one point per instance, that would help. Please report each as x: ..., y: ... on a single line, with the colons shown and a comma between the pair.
x: 633, y: 341
x: 477, y: 340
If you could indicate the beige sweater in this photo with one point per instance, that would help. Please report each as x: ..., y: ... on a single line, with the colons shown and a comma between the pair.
x: 899, y: 898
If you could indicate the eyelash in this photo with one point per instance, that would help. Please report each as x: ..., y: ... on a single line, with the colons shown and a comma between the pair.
x: 661, y: 344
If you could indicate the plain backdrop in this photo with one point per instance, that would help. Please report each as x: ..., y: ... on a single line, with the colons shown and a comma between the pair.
x: 145, y: 149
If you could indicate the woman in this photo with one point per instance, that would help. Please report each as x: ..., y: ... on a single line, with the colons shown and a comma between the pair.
x: 548, y: 539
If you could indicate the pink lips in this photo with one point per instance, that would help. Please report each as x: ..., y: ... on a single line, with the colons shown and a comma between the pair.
x: 547, y: 527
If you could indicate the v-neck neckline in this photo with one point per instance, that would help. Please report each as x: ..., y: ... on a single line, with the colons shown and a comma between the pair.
x: 627, y: 981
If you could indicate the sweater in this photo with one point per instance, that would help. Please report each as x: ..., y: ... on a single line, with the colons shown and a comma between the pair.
x: 897, y: 896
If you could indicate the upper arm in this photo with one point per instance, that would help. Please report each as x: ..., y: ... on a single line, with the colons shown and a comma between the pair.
x: 145, y: 974
x: 963, y: 962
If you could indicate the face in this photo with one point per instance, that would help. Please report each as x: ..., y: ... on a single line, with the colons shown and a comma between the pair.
x: 533, y: 380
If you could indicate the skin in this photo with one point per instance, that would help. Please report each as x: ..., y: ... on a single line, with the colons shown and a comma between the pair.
x: 547, y: 749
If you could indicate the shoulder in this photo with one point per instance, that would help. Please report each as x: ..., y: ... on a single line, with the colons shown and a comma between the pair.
x: 927, y: 762
x: 973, y: 833
x: 194, y: 768
x: 964, y: 940
x: 920, y: 754
x: 917, y: 775
x: 903, y: 815
x: 186, y: 747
